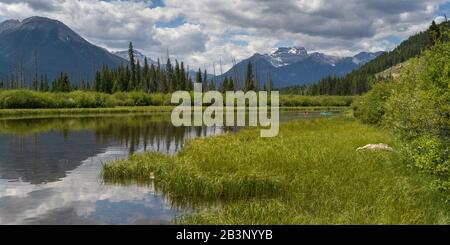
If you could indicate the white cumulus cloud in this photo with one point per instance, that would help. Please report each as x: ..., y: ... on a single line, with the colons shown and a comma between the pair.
x: 202, y: 32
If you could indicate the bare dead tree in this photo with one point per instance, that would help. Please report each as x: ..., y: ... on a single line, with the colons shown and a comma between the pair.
x: 214, y: 78
x: 188, y: 77
x: 237, y: 83
x: 257, y: 78
x: 35, y: 70
x: 21, y: 71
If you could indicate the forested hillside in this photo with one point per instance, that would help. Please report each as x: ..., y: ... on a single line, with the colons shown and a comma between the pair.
x: 415, y: 106
x: 360, y: 81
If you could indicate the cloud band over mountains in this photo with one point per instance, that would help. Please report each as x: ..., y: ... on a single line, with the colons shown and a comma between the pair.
x: 203, y: 31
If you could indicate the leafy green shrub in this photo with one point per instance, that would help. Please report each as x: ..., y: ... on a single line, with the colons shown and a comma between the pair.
x: 429, y: 154
x: 370, y: 108
x: 24, y: 99
x: 416, y: 107
x: 27, y: 99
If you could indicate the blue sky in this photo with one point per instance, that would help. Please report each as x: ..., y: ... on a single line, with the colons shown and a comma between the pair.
x: 445, y: 8
x: 179, y: 21
x: 202, y: 32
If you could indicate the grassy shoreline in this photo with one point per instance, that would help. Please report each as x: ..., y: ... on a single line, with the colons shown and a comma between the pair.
x: 310, y: 174
x: 27, y: 99
x: 5, y: 113
x: 73, y: 111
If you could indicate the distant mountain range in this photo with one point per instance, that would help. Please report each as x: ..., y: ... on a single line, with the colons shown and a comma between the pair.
x: 289, y: 66
x: 53, y: 46
x: 359, y: 81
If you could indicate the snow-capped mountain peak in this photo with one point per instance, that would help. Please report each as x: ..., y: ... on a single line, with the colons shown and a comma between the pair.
x: 137, y: 54
x: 286, y: 56
x: 290, y: 51
x: 365, y: 57
x: 326, y: 59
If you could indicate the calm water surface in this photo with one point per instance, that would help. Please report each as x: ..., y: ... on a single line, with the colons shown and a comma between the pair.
x: 50, y: 168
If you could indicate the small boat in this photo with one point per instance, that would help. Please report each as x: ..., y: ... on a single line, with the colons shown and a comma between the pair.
x: 326, y: 114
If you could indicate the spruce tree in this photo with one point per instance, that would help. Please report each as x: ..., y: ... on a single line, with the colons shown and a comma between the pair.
x: 231, y: 85
x: 169, y: 86
x: 269, y: 85
x: 98, y: 81
x: 435, y: 33
x: 198, y: 78
x: 138, y: 85
x: 62, y: 84
x: 205, y: 81
x: 146, y: 76
x: 183, y: 78
x: 132, y: 60
x: 249, y: 81
x: 126, y: 81
x: 176, y: 77
x: 153, y: 79
x: 224, y: 86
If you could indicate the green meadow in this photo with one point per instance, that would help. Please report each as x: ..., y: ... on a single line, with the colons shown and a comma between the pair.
x: 310, y: 174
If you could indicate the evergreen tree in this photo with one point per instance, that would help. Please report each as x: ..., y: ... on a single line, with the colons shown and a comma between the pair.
x: 177, y: 77
x: 198, y: 78
x: 224, y: 86
x: 205, y: 81
x: 434, y: 33
x: 138, y: 79
x: 106, y: 84
x: 62, y: 84
x: 249, y: 81
x: 183, y: 78
x: 231, y: 85
x: 44, y: 87
x: 212, y: 85
x: 146, y: 76
x: 190, y: 84
x: 269, y: 85
x: 153, y: 79
x: 126, y: 80
x: 132, y: 59
x: 170, y: 86
x: 161, y: 76
x: 98, y: 81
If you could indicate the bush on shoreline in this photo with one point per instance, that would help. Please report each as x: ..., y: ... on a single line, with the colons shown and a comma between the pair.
x: 298, y: 101
x: 27, y: 99
x: 416, y: 107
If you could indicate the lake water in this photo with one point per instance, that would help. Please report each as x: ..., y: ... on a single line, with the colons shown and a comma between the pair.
x: 50, y: 168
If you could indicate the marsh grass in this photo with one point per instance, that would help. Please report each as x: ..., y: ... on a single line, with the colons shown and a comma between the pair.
x: 310, y: 174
